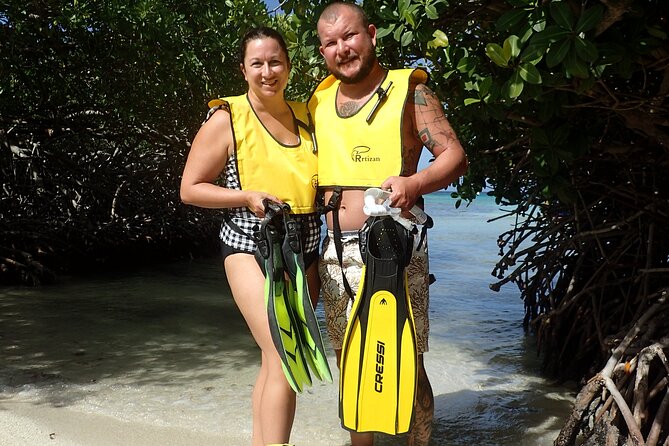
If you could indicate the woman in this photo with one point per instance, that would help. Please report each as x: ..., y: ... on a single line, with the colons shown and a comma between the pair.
x: 255, y: 140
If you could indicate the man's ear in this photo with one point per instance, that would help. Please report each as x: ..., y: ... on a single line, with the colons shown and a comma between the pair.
x: 371, y: 30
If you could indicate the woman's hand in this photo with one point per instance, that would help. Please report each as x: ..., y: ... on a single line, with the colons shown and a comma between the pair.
x: 255, y: 202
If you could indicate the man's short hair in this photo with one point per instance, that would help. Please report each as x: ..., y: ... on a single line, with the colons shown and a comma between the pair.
x: 331, y: 12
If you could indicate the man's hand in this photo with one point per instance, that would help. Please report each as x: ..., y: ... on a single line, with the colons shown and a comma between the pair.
x: 404, y: 191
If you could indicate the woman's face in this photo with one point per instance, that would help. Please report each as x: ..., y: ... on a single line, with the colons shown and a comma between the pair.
x: 265, y: 67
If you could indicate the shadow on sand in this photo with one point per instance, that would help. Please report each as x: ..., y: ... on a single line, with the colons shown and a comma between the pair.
x: 172, y: 326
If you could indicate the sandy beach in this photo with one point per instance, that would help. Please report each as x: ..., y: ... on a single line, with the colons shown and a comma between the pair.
x: 25, y: 424
x: 137, y: 361
x: 152, y: 419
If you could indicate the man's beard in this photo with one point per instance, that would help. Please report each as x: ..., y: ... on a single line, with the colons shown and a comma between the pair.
x: 367, y: 64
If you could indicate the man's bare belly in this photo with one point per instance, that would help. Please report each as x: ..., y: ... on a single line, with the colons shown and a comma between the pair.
x: 351, y: 216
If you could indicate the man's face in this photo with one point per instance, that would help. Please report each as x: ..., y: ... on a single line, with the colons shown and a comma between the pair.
x: 347, y: 46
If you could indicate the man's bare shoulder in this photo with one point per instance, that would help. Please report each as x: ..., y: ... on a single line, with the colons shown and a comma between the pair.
x: 421, y: 95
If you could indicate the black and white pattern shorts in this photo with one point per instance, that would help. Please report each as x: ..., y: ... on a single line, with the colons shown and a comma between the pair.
x: 248, y: 223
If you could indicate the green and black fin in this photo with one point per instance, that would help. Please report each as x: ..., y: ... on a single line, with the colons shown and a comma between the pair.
x: 308, y: 327
x: 283, y: 324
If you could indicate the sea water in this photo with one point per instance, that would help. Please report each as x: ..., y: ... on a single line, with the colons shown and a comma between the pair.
x: 167, y: 346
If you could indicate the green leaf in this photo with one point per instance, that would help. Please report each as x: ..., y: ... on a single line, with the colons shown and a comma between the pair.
x: 431, y: 12
x: 589, y: 19
x: 656, y: 32
x: 549, y: 35
x: 382, y: 32
x: 521, y: 3
x: 558, y: 52
x: 484, y: 86
x: 585, y: 49
x: 533, y: 53
x: 469, y: 101
x: 410, y: 16
x: 397, y: 34
x: 510, y: 19
x: 440, y: 40
x: 539, y: 24
x: 562, y: 15
x: 407, y: 38
x: 529, y: 73
x: 497, y: 54
x: 402, y: 6
x: 575, y: 67
x: 514, y: 86
x: 464, y: 65
x: 512, y: 46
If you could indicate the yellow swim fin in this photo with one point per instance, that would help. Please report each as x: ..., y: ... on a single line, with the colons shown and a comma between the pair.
x: 377, y: 385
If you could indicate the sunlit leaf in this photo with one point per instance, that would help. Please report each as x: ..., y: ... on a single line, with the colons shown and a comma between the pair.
x: 407, y: 38
x: 382, y: 32
x: 431, y: 12
x: 440, y: 40
x: 511, y: 47
x: 497, y: 55
x: 529, y: 73
x: 514, y: 86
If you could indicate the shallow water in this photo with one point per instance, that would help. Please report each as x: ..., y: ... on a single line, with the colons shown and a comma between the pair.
x: 167, y: 346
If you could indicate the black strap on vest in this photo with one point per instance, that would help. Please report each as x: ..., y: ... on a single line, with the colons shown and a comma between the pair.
x: 333, y: 206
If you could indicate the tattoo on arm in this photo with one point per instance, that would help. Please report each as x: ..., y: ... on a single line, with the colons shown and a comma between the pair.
x: 426, y: 138
x: 423, y: 95
x: 431, y: 124
x: 419, y: 97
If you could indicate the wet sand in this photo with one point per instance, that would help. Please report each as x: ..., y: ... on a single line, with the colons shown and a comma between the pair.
x: 27, y: 424
x: 138, y: 359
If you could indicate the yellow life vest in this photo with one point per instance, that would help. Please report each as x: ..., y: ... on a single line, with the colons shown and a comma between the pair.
x: 289, y: 172
x: 364, y: 149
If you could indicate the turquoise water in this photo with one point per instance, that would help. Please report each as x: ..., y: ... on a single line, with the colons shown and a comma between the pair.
x: 166, y: 346
x: 484, y: 369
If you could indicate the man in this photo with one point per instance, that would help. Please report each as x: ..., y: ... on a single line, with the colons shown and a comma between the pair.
x: 371, y: 126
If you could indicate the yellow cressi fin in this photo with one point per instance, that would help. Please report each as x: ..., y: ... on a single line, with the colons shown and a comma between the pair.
x: 377, y: 382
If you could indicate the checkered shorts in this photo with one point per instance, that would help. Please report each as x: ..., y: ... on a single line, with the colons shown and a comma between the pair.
x: 245, y: 242
x: 246, y: 220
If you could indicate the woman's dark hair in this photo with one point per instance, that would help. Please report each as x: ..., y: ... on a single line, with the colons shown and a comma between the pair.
x: 261, y: 32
